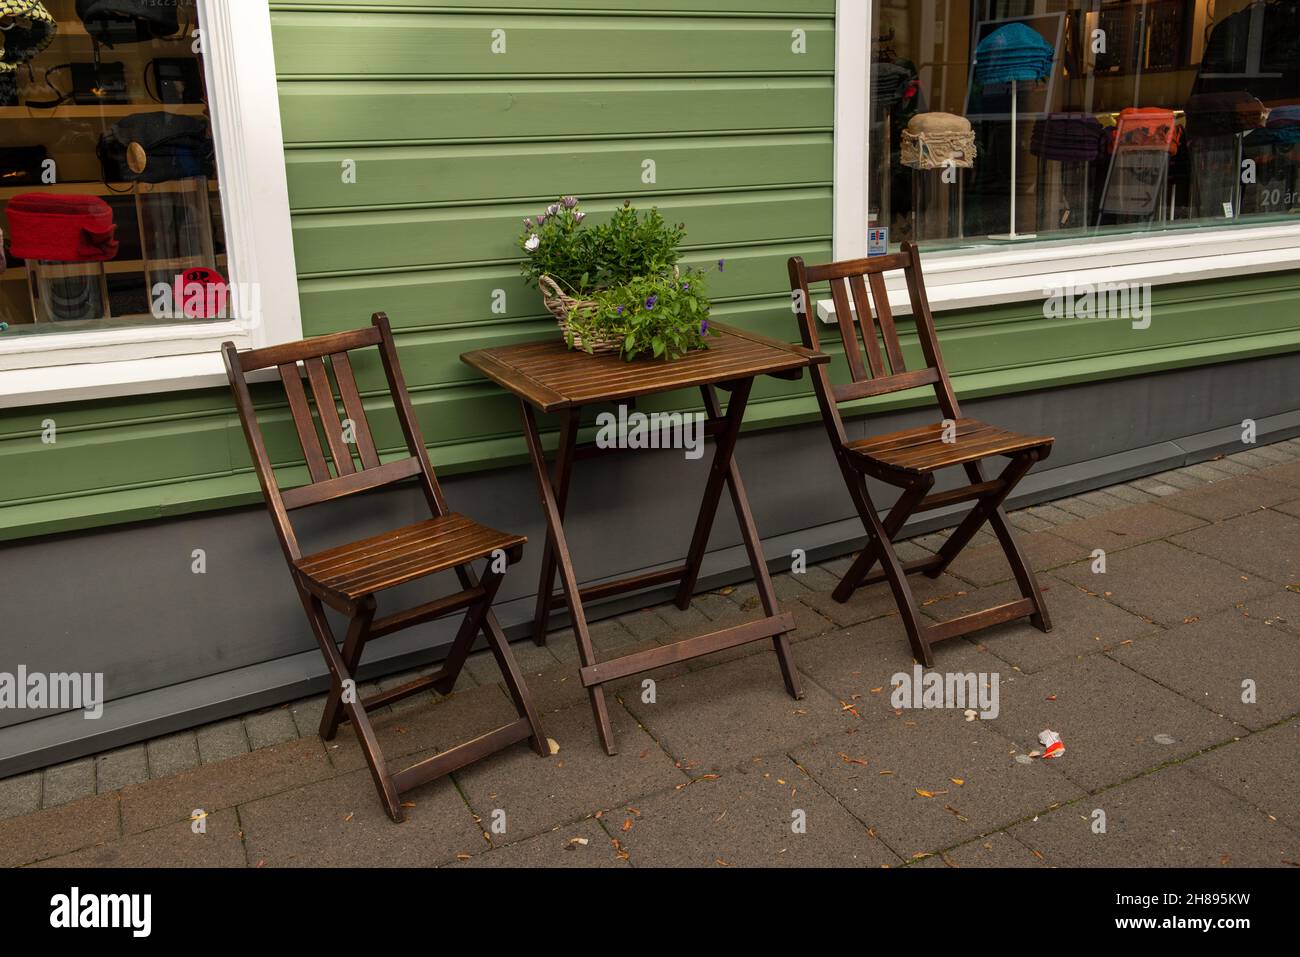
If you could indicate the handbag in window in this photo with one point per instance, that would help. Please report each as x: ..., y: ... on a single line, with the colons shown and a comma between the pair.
x: 31, y: 29
x: 21, y: 165
x: 128, y: 21
x: 157, y: 148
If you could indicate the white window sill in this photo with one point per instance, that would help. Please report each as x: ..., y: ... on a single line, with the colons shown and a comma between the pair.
x: 92, y: 380
x: 1004, y: 274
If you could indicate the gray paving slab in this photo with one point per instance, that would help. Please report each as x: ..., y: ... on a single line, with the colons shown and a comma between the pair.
x: 266, y: 728
x: 20, y: 794
x: 217, y: 843
x: 877, y: 600
x: 212, y: 787
x: 1230, y: 498
x: 1126, y: 527
x: 222, y: 740
x: 1261, y: 769
x: 763, y: 813
x: 581, y: 844
x: 857, y: 665
x: 1114, y: 722
x: 1172, y: 818
x: 1082, y: 623
x: 1233, y: 664
x: 70, y: 781
x: 173, y: 754
x: 993, y: 850
x: 536, y: 794
x: 118, y: 768
x: 900, y: 776
x: 340, y: 822
x: 1262, y: 543
x: 1168, y: 584
x: 58, y: 830
x: 987, y: 564
x: 716, y: 718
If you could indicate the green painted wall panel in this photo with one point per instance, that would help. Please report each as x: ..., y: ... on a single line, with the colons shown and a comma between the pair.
x: 493, y: 173
x: 353, y: 242
x: 464, y: 296
x: 328, y: 112
x: 454, y: 146
x: 434, y: 44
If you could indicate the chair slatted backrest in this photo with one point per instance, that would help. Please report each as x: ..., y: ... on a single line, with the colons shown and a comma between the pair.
x: 871, y: 344
x: 346, y: 461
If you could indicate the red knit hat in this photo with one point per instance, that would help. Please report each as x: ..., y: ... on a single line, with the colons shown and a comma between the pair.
x: 61, y: 228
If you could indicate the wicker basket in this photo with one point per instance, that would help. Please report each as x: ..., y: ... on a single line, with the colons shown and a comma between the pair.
x: 560, y: 304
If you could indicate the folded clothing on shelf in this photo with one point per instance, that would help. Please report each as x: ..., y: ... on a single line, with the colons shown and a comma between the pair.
x: 1216, y: 114
x: 1146, y: 128
x: 934, y: 140
x: 889, y: 82
x: 66, y: 228
x: 1068, y: 138
x: 1014, y: 52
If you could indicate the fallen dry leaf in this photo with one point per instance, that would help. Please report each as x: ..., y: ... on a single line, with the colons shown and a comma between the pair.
x: 848, y: 760
x: 958, y: 781
x: 553, y: 745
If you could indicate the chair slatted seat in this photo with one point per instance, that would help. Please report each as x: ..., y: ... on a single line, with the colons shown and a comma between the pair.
x: 909, y: 459
x: 347, y: 577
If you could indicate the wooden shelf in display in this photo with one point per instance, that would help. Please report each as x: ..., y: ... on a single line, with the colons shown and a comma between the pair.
x: 117, y: 267
x: 104, y: 189
x: 73, y: 111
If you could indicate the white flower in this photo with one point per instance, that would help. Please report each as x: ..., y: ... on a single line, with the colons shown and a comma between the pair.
x: 532, y: 242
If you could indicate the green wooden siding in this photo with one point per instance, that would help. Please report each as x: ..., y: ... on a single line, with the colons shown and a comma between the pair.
x: 454, y: 144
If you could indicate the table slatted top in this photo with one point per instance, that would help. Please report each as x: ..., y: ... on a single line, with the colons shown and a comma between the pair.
x: 551, y: 376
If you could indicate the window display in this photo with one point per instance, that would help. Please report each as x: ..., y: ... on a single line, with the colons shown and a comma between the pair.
x: 1000, y: 120
x: 109, y: 205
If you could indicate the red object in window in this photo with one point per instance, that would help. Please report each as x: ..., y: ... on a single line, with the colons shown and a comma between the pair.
x: 202, y: 293
x: 1147, y: 128
x: 66, y: 229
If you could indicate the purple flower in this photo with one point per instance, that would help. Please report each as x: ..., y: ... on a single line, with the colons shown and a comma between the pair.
x: 686, y: 285
x: 704, y: 327
x: 722, y: 264
x: 541, y: 218
x: 570, y: 202
x: 579, y: 217
x: 528, y: 223
x: 619, y: 310
x: 650, y: 303
x: 552, y: 209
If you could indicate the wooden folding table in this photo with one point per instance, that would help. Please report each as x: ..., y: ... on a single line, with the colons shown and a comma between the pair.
x: 548, y: 377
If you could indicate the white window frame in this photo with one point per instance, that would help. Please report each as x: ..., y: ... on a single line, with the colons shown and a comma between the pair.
x: 1005, y: 273
x: 242, y: 90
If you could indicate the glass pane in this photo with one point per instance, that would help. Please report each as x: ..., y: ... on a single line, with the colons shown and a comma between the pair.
x: 109, y: 200
x: 994, y: 121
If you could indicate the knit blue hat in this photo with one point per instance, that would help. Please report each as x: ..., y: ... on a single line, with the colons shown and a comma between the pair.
x: 1013, y: 52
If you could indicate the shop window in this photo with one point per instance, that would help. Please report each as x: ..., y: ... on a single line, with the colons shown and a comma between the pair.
x: 993, y: 122
x: 110, y: 204
x: 143, y: 197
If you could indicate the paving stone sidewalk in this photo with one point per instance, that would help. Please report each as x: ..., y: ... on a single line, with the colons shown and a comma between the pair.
x: 1173, y: 678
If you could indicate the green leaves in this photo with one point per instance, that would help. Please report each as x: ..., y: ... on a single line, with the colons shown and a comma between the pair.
x: 583, y: 260
x: 665, y: 316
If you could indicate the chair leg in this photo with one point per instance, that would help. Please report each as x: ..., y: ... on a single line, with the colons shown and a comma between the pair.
x: 351, y: 657
x: 514, y: 680
x: 893, y: 524
x: 897, y: 577
x: 356, y: 714
x: 496, y: 639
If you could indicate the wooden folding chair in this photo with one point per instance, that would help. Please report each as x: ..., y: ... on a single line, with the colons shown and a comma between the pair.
x: 909, y: 460
x: 348, y: 577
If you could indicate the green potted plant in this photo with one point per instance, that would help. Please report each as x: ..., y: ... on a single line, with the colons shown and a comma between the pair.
x: 617, y: 287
